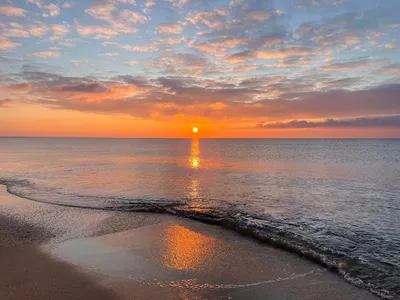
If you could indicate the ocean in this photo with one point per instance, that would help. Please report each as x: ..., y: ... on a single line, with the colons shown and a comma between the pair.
x: 330, y: 200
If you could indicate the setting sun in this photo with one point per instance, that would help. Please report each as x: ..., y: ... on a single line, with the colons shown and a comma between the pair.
x: 195, y: 130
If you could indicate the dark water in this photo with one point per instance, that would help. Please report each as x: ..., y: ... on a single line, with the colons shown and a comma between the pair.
x: 330, y: 200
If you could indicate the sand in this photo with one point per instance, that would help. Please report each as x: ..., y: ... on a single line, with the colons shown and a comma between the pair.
x: 53, y: 252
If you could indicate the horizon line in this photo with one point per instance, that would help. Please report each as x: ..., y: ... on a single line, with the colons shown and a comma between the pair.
x: 211, y: 138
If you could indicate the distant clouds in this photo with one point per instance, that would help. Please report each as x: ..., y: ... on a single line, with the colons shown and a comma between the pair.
x: 263, y: 98
x: 387, y: 121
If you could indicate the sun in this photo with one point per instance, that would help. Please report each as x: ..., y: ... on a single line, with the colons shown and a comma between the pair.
x: 195, y: 129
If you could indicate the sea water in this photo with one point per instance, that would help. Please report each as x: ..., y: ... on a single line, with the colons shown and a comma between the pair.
x: 330, y: 200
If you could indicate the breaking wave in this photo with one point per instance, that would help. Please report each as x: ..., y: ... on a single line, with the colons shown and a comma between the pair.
x: 381, y: 279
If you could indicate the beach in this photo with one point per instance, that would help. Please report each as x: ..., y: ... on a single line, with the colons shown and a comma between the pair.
x: 55, y: 252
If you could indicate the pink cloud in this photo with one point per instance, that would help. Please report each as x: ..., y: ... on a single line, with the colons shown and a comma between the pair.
x: 10, y: 11
x: 45, y: 54
x: 245, y: 68
x: 258, y: 15
x: 6, y: 44
x: 133, y: 17
x: 100, y: 32
x: 212, y: 19
x: 52, y: 10
x: 39, y: 29
x: 15, y: 32
x: 170, y: 28
x: 111, y: 54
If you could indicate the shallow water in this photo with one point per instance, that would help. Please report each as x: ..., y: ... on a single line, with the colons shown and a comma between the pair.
x: 331, y: 200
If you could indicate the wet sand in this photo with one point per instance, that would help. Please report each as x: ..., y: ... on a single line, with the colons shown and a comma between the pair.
x: 53, y: 252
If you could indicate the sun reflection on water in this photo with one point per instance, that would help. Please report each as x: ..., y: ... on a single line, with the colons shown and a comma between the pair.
x: 194, y: 189
x: 194, y: 159
x: 185, y: 249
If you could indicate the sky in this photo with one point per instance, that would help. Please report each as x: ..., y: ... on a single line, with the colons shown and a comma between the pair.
x: 232, y: 68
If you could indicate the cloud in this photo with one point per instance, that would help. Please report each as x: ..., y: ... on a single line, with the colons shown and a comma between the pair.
x: 38, y: 3
x: 111, y: 54
x: 12, y: 11
x: 242, y: 99
x: 340, y: 83
x: 246, y: 56
x: 92, y: 87
x: 177, y: 3
x: 78, y: 63
x: 52, y: 10
x: 385, y: 121
x: 6, y: 44
x: 339, y: 39
x: 218, y: 46
x: 392, y: 45
x: 59, y: 31
x: 245, y: 68
x: 182, y: 63
x: 38, y: 29
x: 308, y: 4
x: 258, y: 15
x: 120, y: 21
x: 393, y: 69
x: 172, y: 41
x: 132, y: 63
x: 295, y: 62
x: 45, y: 54
x: 66, y: 5
x: 150, y: 47
x: 212, y: 19
x: 133, y: 2
x: 133, y: 17
x: 15, y: 32
x: 149, y: 3
x: 99, y: 32
x: 346, y: 66
x: 4, y: 102
x: 102, y: 11
x: 288, y: 52
x: 170, y: 28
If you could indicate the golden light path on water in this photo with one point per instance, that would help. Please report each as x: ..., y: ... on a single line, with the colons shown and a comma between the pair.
x: 194, y: 159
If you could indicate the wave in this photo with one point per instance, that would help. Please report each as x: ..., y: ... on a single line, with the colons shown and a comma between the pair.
x: 265, y: 228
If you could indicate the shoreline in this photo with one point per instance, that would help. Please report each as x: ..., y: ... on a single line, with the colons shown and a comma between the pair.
x: 270, y: 238
x: 144, y: 246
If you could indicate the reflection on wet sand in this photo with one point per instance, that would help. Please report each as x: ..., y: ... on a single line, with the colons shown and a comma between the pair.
x: 185, y: 249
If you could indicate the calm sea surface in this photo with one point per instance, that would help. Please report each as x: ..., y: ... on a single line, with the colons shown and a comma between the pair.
x: 331, y: 200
